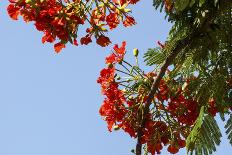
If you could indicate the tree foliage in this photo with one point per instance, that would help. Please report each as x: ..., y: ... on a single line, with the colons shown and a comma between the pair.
x: 175, y: 104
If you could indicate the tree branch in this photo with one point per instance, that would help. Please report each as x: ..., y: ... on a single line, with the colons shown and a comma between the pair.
x: 179, y: 47
x: 154, y: 88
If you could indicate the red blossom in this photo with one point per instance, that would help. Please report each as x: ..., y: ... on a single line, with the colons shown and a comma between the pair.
x: 112, y: 58
x: 61, y: 21
x: 120, y: 50
x: 13, y: 11
x: 118, y: 54
x: 86, y: 40
x: 48, y: 37
x: 173, y: 149
x: 58, y: 47
x: 112, y: 20
x: 103, y: 41
x: 75, y: 42
x: 133, y: 1
x: 129, y: 21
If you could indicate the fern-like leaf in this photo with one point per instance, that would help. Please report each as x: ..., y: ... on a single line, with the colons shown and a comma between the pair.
x: 204, y: 136
x: 228, y: 128
x: 154, y: 57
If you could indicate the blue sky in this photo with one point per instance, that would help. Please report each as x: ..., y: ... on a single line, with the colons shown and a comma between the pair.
x: 49, y: 102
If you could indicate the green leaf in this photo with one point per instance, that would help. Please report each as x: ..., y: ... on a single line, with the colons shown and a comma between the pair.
x: 180, y: 5
x: 192, y: 2
x: 228, y: 128
x: 201, y: 2
x: 154, y: 57
x: 194, y: 133
x: 204, y: 136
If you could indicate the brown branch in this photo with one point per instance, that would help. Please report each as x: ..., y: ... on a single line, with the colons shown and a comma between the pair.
x: 179, y: 47
x: 154, y: 88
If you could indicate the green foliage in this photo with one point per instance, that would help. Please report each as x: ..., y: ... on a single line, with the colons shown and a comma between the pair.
x: 204, y: 136
x: 180, y: 5
x: 206, y: 62
x: 228, y: 128
x: 207, y: 57
x: 154, y: 57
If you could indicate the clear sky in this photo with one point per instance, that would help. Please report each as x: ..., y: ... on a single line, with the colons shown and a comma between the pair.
x: 49, y: 102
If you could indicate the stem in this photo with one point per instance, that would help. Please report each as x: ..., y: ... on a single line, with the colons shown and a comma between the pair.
x: 131, y: 67
x: 137, y: 61
x: 127, y: 63
x: 123, y: 72
x: 125, y: 67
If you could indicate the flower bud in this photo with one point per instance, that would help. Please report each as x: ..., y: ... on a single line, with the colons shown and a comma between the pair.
x: 118, y: 78
x: 136, y: 52
x: 116, y: 127
x: 146, y: 80
x: 130, y: 97
x: 120, y: 62
x: 110, y: 65
x: 27, y: 1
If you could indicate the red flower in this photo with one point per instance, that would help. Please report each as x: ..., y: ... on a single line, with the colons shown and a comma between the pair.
x: 129, y: 21
x: 112, y: 58
x: 28, y: 15
x: 62, y: 20
x: 173, y: 149
x: 181, y: 143
x: 58, y: 47
x: 118, y: 54
x: 121, y: 2
x: 48, y: 37
x: 75, y: 42
x: 103, y: 41
x: 120, y: 50
x: 106, y: 75
x: 112, y: 20
x: 13, y: 11
x: 13, y: 1
x: 86, y: 40
x: 185, y: 110
x: 133, y: 1
x: 127, y: 127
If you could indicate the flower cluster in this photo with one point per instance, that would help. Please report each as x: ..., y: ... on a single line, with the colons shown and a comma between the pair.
x: 113, y: 108
x: 61, y: 20
x: 184, y: 110
x: 122, y: 109
x: 170, y: 117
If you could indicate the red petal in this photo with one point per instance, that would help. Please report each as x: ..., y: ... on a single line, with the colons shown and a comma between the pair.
x: 58, y: 47
x: 13, y: 11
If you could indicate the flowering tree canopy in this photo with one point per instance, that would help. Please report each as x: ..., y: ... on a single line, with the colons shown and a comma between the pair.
x: 174, y: 104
